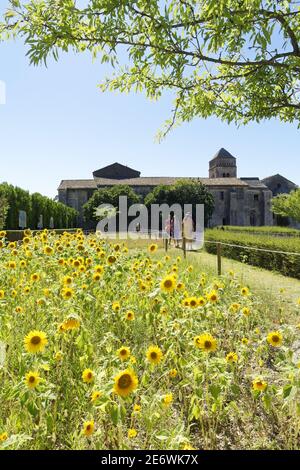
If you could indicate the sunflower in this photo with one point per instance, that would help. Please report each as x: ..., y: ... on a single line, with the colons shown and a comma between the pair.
x: 137, y: 408
x: 99, y: 269
x: 275, y: 339
x: 111, y: 259
x: 116, y: 306
x: 142, y: 286
x: 88, y: 428
x: 245, y: 341
x: 123, y: 353
x: 232, y: 357
x: 48, y: 250
x: 188, y: 447
x: 193, y: 302
x: 32, y: 379
x: 173, y: 373
x: 67, y: 280
x: 259, y: 385
x: 35, y: 277
x: 67, y: 293
x: 206, y: 342
x: 167, y: 399
x: 246, y: 311
x: 96, y: 277
x: 152, y: 248
x: 58, y: 356
x: 19, y: 309
x: 88, y: 376
x: 125, y: 383
x: 129, y: 315
x: 76, y: 263
x: 95, y: 396
x: 168, y: 284
x: 2, y: 294
x: 72, y: 322
x: 3, y: 437
x: 235, y: 307
x: 154, y: 355
x: 180, y: 286
x: 132, y: 433
x: 163, y: 311
x: 245, y: 291
x: 212, y: 297
x: 35, y: 341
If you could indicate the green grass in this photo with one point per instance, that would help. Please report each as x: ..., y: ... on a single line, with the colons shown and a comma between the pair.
x: 280, y: 292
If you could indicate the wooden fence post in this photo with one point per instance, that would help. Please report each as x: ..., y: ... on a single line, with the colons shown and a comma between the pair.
x: 166, y: 244
x: 219, y: 259
x: 184, y: 246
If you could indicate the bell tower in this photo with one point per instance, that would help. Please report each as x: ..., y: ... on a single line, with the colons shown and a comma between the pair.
x: 223, y: 165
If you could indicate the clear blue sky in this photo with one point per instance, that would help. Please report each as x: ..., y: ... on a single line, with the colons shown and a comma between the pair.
x: 56, y: 124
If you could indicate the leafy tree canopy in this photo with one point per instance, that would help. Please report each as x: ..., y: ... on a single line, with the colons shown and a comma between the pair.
x: 108, y: 196
x: 236, y: 59
x: 183, y: 192
x: 287, y: 205
x: 3, y: 210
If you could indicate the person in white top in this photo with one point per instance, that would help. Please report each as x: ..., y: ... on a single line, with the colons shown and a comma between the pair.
x: 188, y: 229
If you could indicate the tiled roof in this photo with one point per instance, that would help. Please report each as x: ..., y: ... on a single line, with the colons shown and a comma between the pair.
x: 222, y: 153
x: 77, y: 184
x: 168, y: 180
x: 255, y: 183
x: 270, y: 178
x: 148, y: 181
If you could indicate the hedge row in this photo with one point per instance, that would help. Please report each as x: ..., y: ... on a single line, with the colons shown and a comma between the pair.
x: 286, y: 264
x: 18, y: 235
x: 35, y: 205
x: 271, y: 230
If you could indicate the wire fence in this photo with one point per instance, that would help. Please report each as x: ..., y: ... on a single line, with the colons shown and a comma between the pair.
x: 247, y: 247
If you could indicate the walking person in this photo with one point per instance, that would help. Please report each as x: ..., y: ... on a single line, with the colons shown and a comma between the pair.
x: 188, y: 229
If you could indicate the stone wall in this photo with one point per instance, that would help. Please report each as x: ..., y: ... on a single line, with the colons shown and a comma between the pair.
x: 233, y: 206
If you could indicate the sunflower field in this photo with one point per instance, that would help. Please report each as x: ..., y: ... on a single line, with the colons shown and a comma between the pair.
x: 106, y: 347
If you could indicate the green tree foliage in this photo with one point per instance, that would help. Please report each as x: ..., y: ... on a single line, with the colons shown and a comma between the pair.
x: 18, y: 199
x: 3, y: 210
x: 236, y: 59
x: 63, y: 216
x: 35, y: 205
x: 183, y: 192
x: 108, y: 196
x: 287, y: 205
